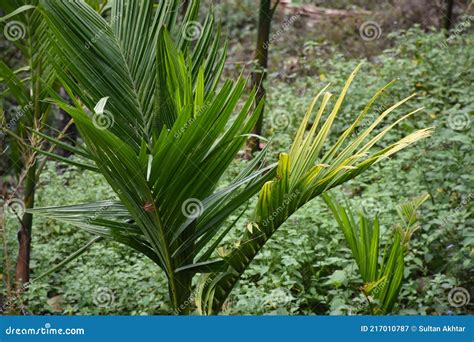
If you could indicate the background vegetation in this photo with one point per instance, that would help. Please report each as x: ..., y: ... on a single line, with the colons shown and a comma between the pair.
x: 306, y: 268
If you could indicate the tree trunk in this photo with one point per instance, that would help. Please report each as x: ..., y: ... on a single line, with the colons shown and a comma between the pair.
x: 24, y: 234
x: 180, y: 293
x: 184, y: 6
x: 448, y: 16
x: 260, y: 74
x: 70, y: 135
x: 181, y: 282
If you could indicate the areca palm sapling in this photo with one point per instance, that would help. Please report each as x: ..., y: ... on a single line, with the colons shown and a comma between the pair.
x: 27, y: 85
x: 308, y: 170
x: 381, y: 269
x: 172, y: 136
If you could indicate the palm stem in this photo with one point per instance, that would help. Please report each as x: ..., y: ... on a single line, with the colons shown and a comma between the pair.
x: 24, y: 234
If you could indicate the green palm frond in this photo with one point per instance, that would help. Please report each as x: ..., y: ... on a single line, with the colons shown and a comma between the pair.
x: 409, y: 217
x: 30, y: 83
x: 302, y: 174
x: 163, y: 149
x: 115, y: 57
x: 381, y: 269
x: 171, y: 132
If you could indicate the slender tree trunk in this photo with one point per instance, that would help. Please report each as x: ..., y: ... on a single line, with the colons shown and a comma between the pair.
x: 24, y: 234
x: 181, y: 282
x: 184, y: 6
x: 181, y: 295
x: 448, y: 15
x: 261, y: 57
x: 22, y: 275
x: 6, y: 282
x: 70, y: 135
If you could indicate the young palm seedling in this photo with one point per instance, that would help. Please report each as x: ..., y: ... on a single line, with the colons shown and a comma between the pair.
x: 162, y: 132
x: 26, y: 86
x: 381, y: 268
